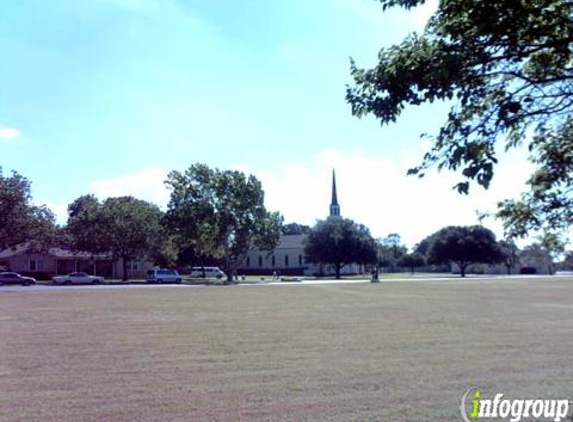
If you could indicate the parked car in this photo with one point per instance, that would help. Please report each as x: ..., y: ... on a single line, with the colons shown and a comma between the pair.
x: 15, y: 278
x: 163, y: 275
x: 77, y: 278
x: 210, y: 272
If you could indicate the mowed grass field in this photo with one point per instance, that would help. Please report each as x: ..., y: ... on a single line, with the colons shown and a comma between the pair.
x: 394, y: 351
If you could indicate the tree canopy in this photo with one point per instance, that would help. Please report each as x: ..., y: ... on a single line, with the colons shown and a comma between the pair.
x: 85, y: 225
x: 567, y: 263
x: 509, y: 254
x: 464, y: 245
x: 548, y: 204
x: 412, y: 261
x: 126, y: 227
x: 537, y: 256
x: 507, y: 67
x: 390, y: 250
x: 20, y: 220
x: 294, y: 229
x: 220, y: 214
x: 339, y: 242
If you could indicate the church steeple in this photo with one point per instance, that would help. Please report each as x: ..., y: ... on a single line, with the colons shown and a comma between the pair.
x: 334, y: 207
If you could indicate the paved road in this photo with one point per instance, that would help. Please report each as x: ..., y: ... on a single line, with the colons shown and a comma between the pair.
x: 47, y: 288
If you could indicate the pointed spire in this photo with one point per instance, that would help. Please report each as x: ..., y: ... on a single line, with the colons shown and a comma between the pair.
x: 334, y: 196
x: 334, y: 207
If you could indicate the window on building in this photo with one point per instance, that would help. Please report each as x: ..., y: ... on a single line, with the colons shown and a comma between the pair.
x: 133, y: 266
x: 248, y: 261
x: 300, y: 260
x: 273, y: 261
x: 36, y: 265
x: 286, y: 260
x: 260, y: 261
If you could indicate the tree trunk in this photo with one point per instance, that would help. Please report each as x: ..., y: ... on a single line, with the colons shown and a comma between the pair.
x: 124, y: 264
x: 463, y: 269
x: 508, y: 269
x: 203, y: 268
x: 230, y: 270
x: 337, y: 267
x: 412, y: 269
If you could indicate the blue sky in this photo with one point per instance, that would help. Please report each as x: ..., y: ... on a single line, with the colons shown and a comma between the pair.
x: 107, y: 96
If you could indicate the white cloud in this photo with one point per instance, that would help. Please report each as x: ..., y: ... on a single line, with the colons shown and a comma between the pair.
x: 146, y: 184
x: 60, y: 210
x: 422, y: 13
x: 375, y: 191
x: 405, y: 21
x: 372, y: 190
x: 427, y: 145
x: 7, y: 134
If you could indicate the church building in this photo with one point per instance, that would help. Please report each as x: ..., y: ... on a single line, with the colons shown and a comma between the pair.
x: 288, y: 259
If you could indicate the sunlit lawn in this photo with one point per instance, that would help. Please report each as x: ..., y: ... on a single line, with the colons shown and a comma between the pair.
x: 403, y: 351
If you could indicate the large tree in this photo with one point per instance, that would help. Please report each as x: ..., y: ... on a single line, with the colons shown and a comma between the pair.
x: 555, y: 245
x: 339, y: 242
x: 424, y: 245
x: 548, y: 204
x: 509, y: 254
x: 220, y: 214
x: 507, y: 67
x: 537, y: 257
x: 412, y: 261
x: 20, y: 220
x: 464, y: 245
x: 390, y: 250
x: 131, y: 228
x: 126, y: 227
x: 294, y: 229
x: 85, y: 225
x: 567, y: 263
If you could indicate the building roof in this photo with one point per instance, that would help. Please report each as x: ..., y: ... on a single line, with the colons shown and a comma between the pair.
x: 292, y: 241
x: 289, y: 241
x: 16, y: 250
x: 65, y: 253
x: 55, y: 252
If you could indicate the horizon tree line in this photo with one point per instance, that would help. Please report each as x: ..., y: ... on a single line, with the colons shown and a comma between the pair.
x: 216, y: 216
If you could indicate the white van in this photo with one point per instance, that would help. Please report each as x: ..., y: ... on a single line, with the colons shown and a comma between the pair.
x: 163, y: 275
x: 210, y: 272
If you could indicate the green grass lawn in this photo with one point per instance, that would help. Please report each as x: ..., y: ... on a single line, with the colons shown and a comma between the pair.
x: 341, y: 352
x: 416, y: 275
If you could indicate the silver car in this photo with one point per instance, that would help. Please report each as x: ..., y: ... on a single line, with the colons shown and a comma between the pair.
x: 15, y: 278
x: 77, y: 278
x: 207, y: 272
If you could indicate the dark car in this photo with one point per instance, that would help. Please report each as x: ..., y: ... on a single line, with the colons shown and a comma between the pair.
x: 15, y: 278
